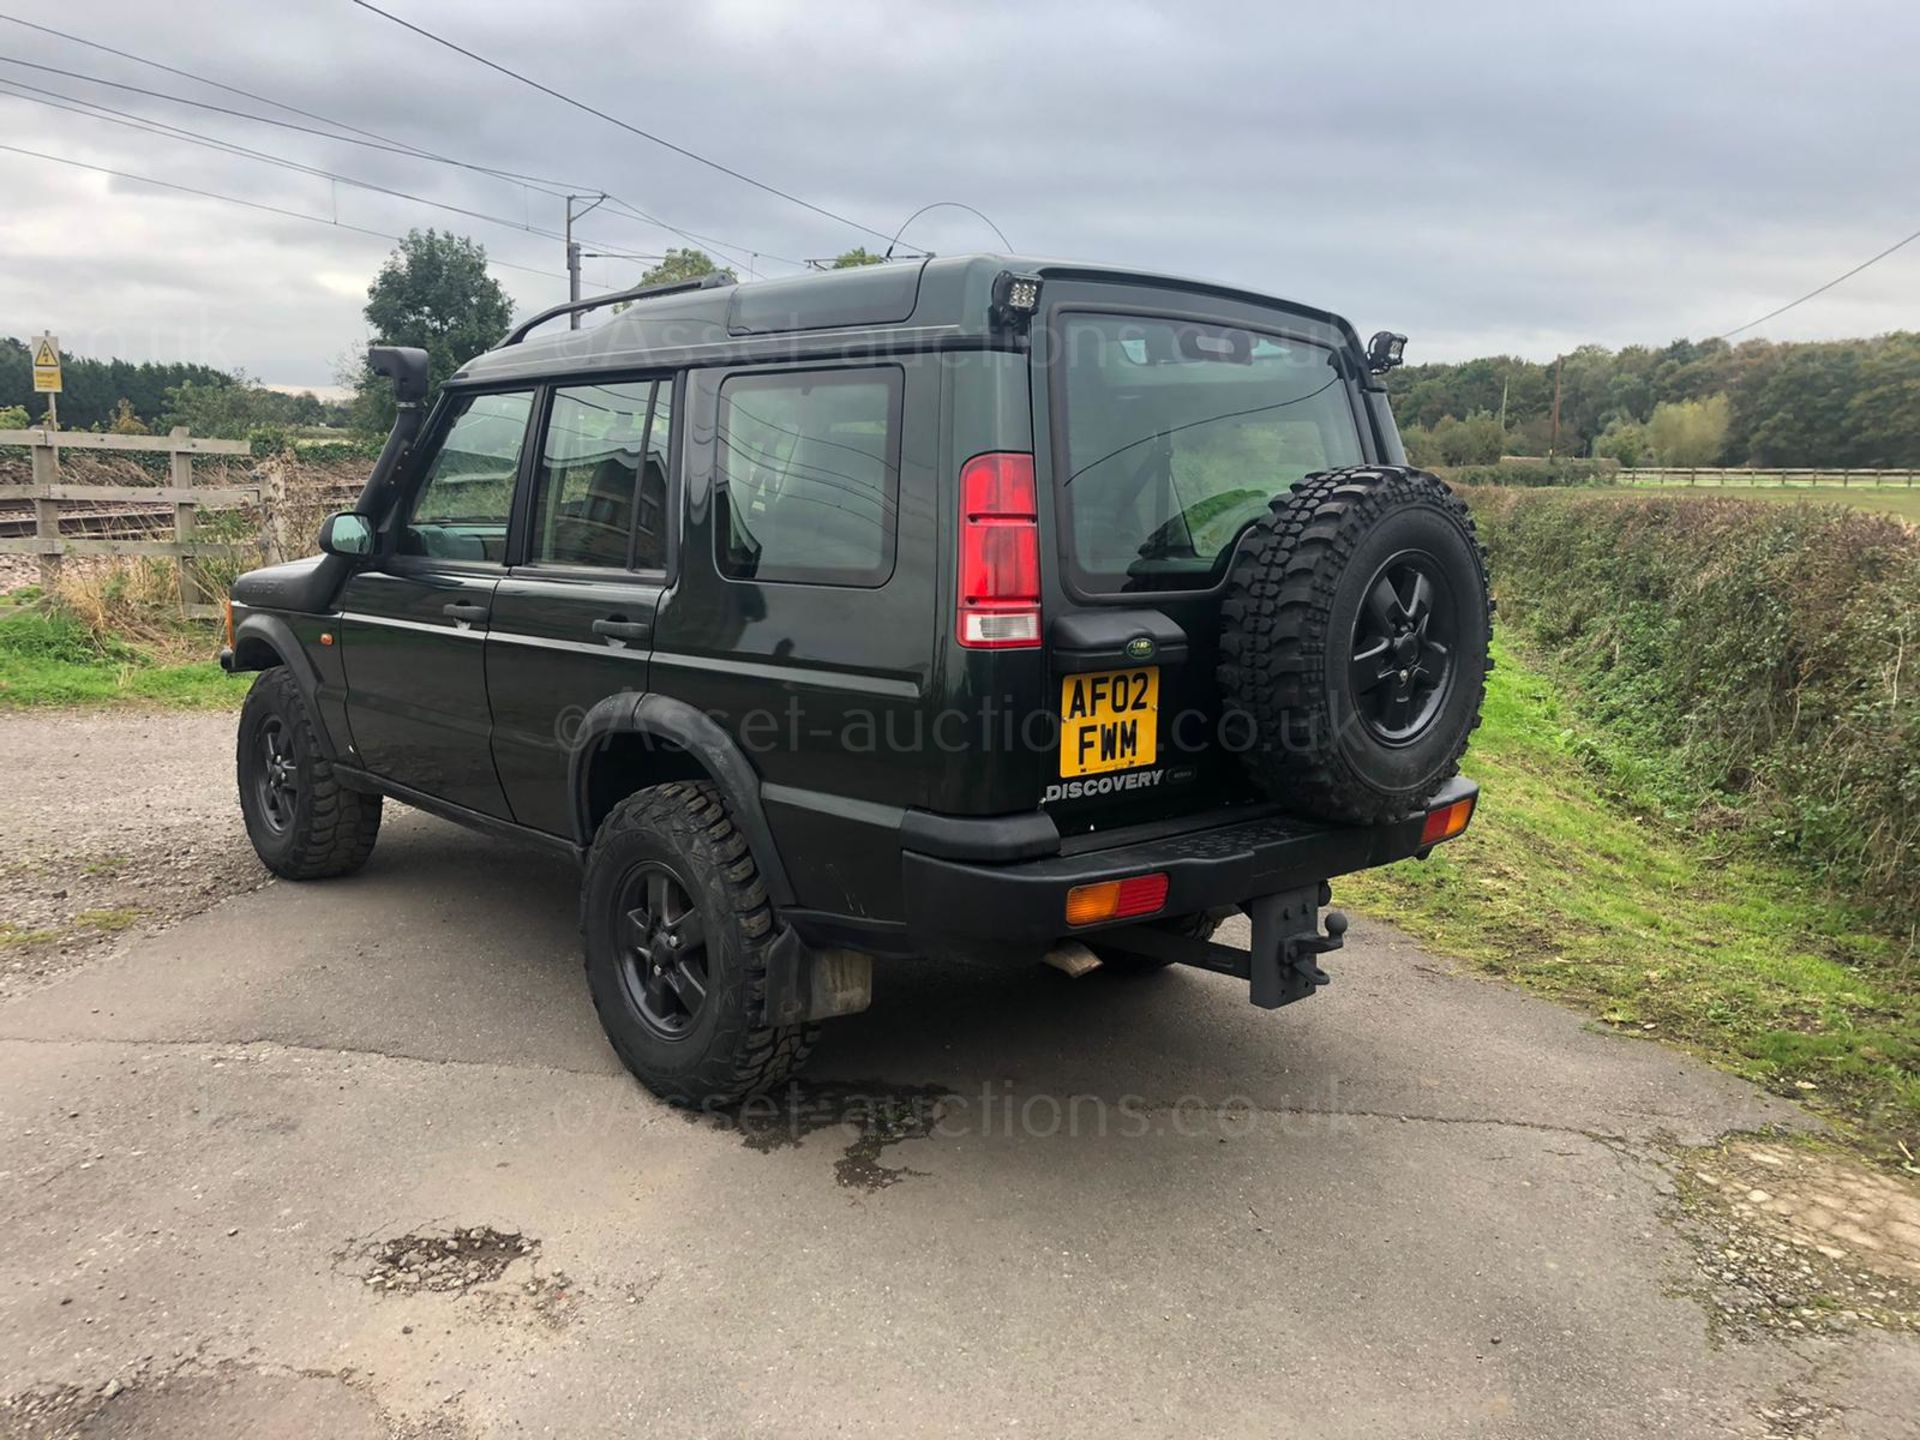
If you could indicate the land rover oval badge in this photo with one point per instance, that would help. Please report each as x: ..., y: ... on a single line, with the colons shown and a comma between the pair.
x: 1140, y: 647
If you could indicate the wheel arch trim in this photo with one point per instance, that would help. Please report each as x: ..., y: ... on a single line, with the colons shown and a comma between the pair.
x: 254, y: 630
x: 676, y: 723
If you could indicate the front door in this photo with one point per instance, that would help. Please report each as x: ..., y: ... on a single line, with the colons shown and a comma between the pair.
x: 573, y: 623
x: 415, y: 621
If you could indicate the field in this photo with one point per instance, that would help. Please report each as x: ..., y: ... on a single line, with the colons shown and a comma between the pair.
x: 1900, y: 500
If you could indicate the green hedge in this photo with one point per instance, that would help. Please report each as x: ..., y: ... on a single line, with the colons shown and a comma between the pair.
x: 1761, y: 662
x: 1533, y: 471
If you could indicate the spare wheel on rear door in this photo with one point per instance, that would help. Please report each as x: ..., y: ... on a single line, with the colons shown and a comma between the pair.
x: 1354, y: 644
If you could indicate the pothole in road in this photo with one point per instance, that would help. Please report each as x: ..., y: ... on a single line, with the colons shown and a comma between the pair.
x: 1795, y: 1238
x: 880, y: 1114
x: 469, y: 1260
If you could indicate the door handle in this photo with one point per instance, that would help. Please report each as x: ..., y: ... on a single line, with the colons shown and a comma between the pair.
x: 460, y: 610
x: 614, y: 628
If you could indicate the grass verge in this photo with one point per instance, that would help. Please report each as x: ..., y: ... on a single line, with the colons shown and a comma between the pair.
x: 1568, y: 886
x: 50, y: 658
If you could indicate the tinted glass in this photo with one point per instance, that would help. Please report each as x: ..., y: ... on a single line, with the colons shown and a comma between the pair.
x: 460, y: 509
x: 593, y: 468
x: 1177, y: 435
x: 808, y: 469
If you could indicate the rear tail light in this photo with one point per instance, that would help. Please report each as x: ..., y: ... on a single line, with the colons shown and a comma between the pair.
x: 999, y: 582
x: 1116, y: 899
x: 1447, y: 822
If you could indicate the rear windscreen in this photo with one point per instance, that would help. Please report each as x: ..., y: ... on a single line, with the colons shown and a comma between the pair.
x: 1178, y: 434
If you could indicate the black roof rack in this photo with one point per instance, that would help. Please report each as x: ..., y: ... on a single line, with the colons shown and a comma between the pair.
x: 671, y: 287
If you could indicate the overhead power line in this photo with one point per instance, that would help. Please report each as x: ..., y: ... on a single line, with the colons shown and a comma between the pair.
x: 631, y: 129
x: 175, y: 132
x: 249, y: 204
x: 558, y: 189
x: 391, y: 147
x: 1875, y: 260
x: 230, y: 89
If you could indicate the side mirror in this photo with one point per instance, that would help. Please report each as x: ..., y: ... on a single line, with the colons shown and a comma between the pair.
x: 347, y: 534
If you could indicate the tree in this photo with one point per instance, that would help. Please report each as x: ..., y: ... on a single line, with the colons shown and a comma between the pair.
x: 1690, y: 432
x: 94, y: 388
x: 434, y: 292
x: 1478, y: 440
x: 688, y: 264
x: 13, y: 417
x: 1623, y: 440
x: 228, y: 411
x: 856, y: 257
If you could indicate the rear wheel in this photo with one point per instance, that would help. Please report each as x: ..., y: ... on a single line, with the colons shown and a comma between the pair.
x: 677, y: 928
x: 304, y: 824
x: 1354, y: 647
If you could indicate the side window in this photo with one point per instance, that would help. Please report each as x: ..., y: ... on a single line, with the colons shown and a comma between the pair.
x: 597, y: 474
x: 808, y: 476
x: 650, y: 519
x: 461, y: 507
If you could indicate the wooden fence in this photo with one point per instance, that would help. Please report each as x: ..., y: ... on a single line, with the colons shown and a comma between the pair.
x: 48, y: 492
x: 1728, y: 476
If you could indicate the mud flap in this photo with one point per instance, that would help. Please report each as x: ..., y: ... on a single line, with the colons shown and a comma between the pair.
x: 805, y: 984
x: 1280, y: 968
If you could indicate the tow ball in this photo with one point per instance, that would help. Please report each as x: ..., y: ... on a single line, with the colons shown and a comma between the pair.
x: 1280, y: 966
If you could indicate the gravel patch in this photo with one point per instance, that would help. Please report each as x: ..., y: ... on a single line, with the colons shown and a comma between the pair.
x: 1799, y: 1239
x: 111, y: 823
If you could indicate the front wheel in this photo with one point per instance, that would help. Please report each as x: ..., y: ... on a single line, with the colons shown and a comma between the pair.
x: 304, y: 824
x: 677, y: 930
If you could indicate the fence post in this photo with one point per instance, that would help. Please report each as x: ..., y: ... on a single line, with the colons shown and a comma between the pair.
x: 46, y: 510
x: 272, y: 476
x: 180, y: 477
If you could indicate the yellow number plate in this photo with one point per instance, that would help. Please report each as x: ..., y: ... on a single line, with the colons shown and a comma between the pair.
x: 1109, y: 721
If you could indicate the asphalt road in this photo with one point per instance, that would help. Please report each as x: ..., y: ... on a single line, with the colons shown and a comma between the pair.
x: 1418, y: 1204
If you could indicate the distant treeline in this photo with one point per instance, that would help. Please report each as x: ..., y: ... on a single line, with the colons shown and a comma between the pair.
x: 1829, y: 402
x: 93, y: 389
x: 128, y: 397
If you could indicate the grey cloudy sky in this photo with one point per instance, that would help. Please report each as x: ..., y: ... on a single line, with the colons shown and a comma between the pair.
x: 1487, y: 177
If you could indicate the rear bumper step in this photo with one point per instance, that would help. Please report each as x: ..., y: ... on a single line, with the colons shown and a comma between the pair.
x: 1228, y: 865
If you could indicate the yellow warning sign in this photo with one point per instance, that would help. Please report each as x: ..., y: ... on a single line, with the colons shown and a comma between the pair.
x: 46, y: 365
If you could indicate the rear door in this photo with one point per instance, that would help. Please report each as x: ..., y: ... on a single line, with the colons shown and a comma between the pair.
x: 573, y: 620
x: 1166, y: 421
x: 415, y: 620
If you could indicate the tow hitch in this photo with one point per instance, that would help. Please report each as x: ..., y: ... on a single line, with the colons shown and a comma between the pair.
x: 1286, y: 939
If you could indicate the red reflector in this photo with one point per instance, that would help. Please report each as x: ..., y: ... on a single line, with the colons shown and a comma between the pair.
x: 1141, y: 895
x: 1446, y: 822
x: 1116, y: 899
x: 999, y: 579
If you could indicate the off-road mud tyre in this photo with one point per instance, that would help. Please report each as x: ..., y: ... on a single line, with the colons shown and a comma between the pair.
x: 304, y: 824
x: 720, y: 1052
x: 1326, y: 722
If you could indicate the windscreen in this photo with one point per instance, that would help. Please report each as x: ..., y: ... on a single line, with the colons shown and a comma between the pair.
x: 1178, y: 434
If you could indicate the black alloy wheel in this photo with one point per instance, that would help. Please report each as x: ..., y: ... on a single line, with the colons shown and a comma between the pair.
x: 1403, y: 644
x: 663, y: 950
x: 277, y: 782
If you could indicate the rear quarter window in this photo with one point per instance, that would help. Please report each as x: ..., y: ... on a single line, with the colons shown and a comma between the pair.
x: 808, y: 472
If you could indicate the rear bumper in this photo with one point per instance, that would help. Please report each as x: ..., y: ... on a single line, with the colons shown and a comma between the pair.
x: 1227, y: 865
